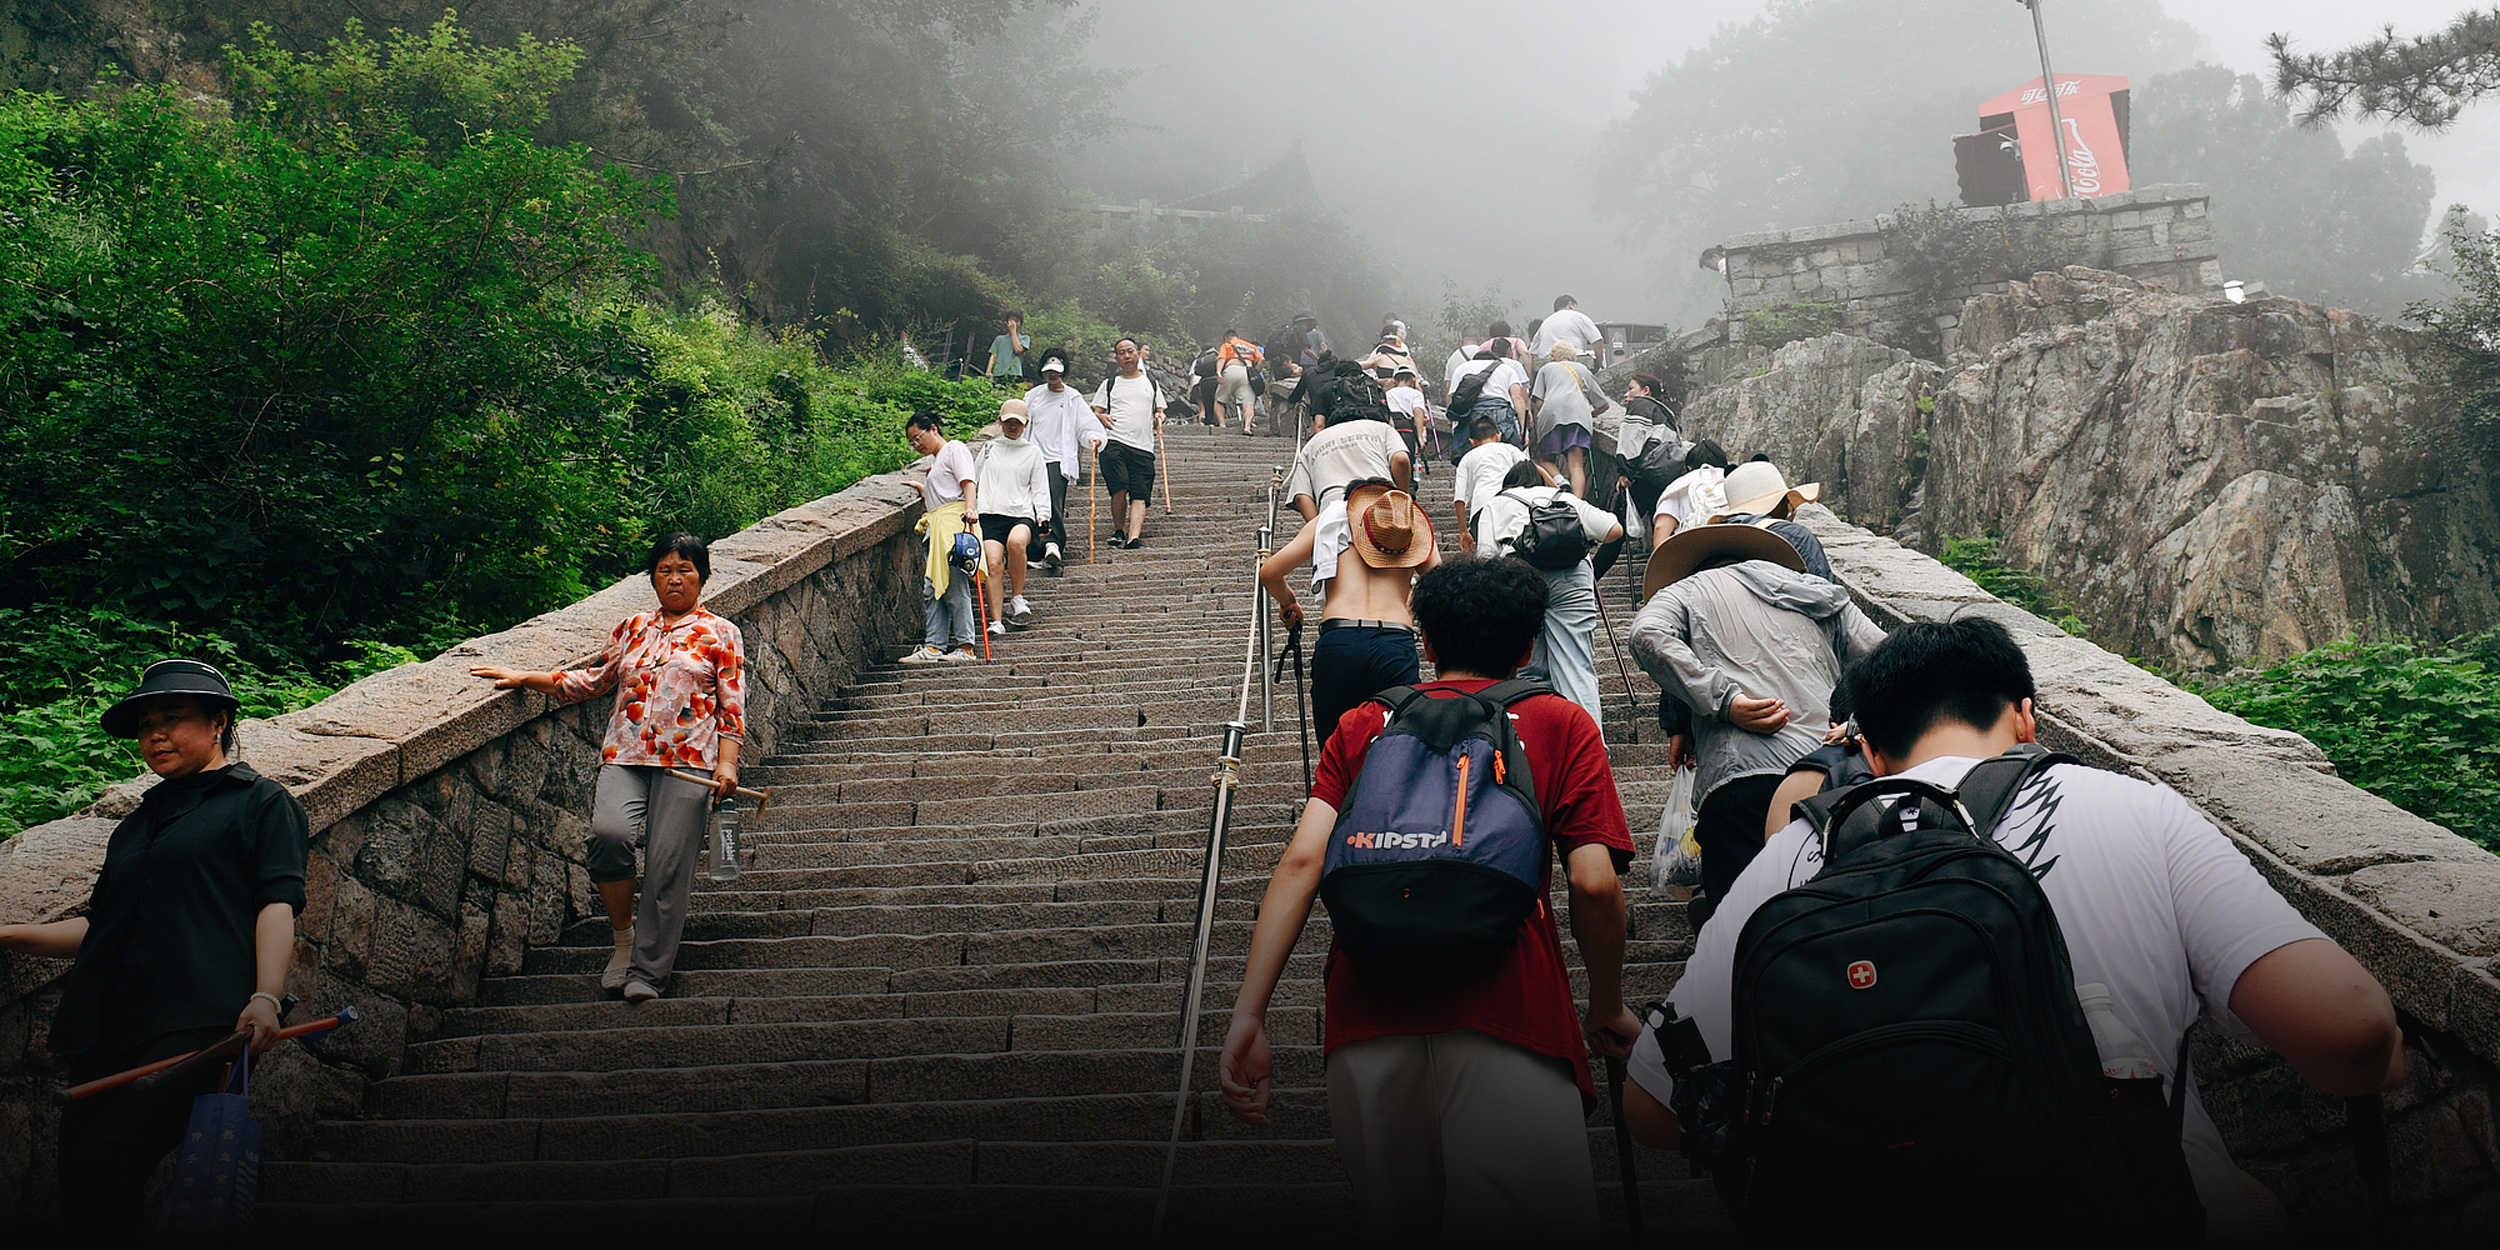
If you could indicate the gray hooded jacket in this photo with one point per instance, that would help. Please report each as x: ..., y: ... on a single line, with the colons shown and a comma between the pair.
x: 1758, y: 630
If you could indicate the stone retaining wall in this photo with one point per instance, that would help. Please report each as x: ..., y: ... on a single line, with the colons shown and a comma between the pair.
x: 448, y: 817
x: 2414, y: 902
x: 2159, y: 232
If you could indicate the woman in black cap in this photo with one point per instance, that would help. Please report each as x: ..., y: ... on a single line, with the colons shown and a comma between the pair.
x: 186, y: 939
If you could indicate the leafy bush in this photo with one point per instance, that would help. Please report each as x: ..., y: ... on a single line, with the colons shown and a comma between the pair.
x: 1787, y: 323
x: 2414, y: 723
x: 1982, y: 559
x: 2465, y: 328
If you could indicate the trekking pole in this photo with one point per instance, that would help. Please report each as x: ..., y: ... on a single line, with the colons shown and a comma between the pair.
x: 1624, y: 1160
x: 1093, y: 507
x: 148, y: 1074
x: 1164, y: 463
x: 1302, y: 714
x: 1599, y: 590
x: 1226, y: 780
x: 1267, y: 629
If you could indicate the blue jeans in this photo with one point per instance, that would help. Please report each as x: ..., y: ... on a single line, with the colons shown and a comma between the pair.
x: 1503, y: 414
x: 951, y: 619
x: 1565, y: 656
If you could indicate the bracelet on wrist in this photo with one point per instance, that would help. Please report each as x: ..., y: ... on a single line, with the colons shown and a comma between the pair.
x: 274, y: 1001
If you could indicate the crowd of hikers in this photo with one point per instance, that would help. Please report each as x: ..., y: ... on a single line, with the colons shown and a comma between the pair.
x: 1943, y: 976
x: 1942, y: 979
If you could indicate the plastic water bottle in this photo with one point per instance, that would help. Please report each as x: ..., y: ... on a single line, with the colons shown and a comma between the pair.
x: 2124, y: 1056
x: 725, y: 842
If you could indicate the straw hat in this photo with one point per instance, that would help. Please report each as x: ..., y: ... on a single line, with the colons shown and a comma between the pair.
x: 1389, y: 531
x: 1679, y: 556
x: 1756, y: 486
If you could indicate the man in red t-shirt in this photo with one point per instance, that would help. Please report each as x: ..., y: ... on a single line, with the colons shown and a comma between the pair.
x: 1461, y: 1108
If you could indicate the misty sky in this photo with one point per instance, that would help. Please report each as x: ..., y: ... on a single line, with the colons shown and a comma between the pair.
x: 1392, y: 97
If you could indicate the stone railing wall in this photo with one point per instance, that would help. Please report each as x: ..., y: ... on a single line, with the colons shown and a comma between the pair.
x: 448, y: 818
x: 2414, y: 902
x: 2160, y: 233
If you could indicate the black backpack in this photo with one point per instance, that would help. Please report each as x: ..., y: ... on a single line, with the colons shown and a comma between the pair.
x: 1471, y: 388
x: 1908, y: 1045
x: 1554, y: 539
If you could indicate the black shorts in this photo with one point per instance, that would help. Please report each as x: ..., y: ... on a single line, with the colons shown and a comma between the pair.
x: 1128, y: 471
x: 997, y: 528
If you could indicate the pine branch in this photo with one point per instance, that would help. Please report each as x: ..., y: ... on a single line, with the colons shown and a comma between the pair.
x: 2423, y: 81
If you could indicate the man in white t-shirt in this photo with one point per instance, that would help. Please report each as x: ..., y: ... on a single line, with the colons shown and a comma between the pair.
x: 1063, y: 425
x: 1480, y: 473
x: 1353, y: 448
x: 1565, y: 656
x: 1568, y: 324
x: 1505, y: 394
x: 2154, y: 902
x: 1409, y: 413
x: 1130, y: 407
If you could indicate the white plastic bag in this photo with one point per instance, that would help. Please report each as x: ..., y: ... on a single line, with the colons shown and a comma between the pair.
x: 1635, y: 526
x: 1675, y: 858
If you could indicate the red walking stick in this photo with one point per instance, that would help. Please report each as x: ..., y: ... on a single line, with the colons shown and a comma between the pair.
x: 165, y: 1069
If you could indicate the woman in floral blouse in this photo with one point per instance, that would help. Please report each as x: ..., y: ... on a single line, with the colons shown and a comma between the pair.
x: 679, y: 676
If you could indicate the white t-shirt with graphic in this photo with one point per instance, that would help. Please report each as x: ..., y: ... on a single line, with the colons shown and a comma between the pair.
x: 2154, y: 901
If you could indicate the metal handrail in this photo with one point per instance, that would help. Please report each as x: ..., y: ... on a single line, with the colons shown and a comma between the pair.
x: 1226, y: 780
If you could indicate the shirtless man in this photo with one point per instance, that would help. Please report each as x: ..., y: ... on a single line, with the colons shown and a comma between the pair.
x: 1366, y: 634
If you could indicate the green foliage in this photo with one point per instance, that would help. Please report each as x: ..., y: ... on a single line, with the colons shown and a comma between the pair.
x: 1982, y: 559
x: 2466, y: 327
x: 2290, y: 204
x: 430, y: 94
x: 2414, y: 723
x: 1787, y: 323
x: 1943, y: 250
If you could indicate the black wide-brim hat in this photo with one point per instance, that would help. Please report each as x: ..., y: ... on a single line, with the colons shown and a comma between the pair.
x: 192, y: 677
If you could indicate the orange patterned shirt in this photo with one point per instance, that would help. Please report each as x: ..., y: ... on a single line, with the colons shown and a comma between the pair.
x: 680, y: 689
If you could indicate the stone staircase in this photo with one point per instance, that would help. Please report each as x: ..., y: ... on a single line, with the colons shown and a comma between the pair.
x: 945, y: 997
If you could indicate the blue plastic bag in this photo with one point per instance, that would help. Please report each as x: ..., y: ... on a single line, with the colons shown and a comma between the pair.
x: 217, y: 1173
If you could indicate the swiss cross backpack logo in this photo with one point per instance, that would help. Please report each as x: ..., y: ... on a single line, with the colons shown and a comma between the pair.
x: 1440, y: 848
x: 1862, y: 975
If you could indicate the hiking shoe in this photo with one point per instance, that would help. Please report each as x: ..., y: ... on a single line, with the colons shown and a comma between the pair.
x: 620, y: 961
x: 924, y: 654
x: 1134, y: 543
x: 1051, y: 556
x: 1118, y: 539
x: 640, y: 992
x: 1018, y: 610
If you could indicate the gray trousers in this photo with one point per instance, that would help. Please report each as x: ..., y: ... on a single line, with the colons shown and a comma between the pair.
x: 637, y: 803
x: 1565, y: 655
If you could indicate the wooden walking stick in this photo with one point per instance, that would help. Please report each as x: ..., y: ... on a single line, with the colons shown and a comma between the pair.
x: 1164, y: 463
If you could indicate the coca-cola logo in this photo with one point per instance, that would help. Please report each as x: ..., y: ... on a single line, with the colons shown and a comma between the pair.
x: 2036, y: 95
x: 2082, y: 167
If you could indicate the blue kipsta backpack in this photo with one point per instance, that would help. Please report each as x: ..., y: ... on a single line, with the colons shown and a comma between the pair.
x: 1440, y: 848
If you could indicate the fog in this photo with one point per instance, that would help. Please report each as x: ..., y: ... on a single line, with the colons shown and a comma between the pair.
x: 1463, y: 138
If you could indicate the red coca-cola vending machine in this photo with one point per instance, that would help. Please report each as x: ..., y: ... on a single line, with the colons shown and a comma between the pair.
x: 2014, y: 156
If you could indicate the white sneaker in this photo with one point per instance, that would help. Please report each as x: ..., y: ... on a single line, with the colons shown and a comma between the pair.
x: 964, y: 653
x: 998, y: 629
x: 925, y: 654
x: 640, y: 992
x: 1019, y: 609
x: 1051, y: 556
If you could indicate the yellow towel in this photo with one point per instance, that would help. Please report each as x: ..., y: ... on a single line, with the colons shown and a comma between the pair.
x: 948, y: 521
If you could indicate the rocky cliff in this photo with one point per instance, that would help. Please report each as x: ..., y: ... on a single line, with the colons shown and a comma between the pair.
x: 2208, y: 484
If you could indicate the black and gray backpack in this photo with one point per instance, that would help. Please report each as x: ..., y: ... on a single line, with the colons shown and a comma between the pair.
x: 1908, y: 1047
